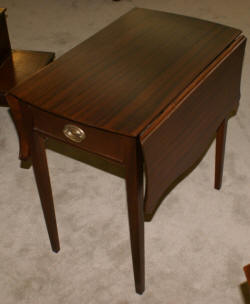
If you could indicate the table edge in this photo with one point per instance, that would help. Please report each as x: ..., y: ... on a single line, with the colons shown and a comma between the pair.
x: 180, y: 98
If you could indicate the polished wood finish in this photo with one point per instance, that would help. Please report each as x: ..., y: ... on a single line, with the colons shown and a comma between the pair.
x: 131, y: 71
x: 134, y: 186
x: 23, y: 123
x: 41, y: 172
x: 150, y: 89
x: 97, y: 141
x: 17, y: 65
x: 186, y: 130
x: 20, y: 65
x: 220, y: 152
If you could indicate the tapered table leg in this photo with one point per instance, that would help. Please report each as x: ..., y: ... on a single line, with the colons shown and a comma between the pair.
x: 134, y: 185
x: 220, y: 152
x: 41, y: 172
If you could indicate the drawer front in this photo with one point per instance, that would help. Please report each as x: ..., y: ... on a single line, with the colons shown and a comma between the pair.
x: 97, y: 141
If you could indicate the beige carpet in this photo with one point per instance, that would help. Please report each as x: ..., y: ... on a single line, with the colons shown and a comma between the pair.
x: 197, y: 242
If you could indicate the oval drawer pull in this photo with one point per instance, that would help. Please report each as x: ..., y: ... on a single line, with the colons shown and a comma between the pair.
x: 74, y: 133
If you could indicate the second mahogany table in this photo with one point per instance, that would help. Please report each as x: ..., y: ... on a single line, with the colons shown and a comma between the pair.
x: 152, y: 88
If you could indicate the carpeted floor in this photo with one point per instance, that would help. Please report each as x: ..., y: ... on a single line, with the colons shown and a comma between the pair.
x: 197, y: 242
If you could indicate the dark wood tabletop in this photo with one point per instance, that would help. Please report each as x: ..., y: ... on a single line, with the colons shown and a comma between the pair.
x: 20, y: 65
x: 16, y: 65
x: 150, y: 92
x: 127, y: 74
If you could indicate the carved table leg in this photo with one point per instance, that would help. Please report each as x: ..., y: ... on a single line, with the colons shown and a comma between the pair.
x: 220, y: 152
x: 134, y: 185
x: 41, y: 172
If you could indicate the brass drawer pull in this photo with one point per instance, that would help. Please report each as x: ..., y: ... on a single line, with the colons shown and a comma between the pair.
x: 74, y: 133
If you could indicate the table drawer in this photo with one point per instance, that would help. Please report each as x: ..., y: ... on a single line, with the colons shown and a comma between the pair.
x: 87, y: 138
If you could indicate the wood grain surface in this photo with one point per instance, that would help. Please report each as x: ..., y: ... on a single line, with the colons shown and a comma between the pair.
x: 152, y: 87
x: 20, y: 65
x: 41, y: 172
x: 124, y: 76
x: 100, y: 142
x: 16, y: 65
x: 183, y: 136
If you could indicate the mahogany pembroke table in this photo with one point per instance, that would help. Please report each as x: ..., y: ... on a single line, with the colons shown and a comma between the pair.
x: 150, y: 91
